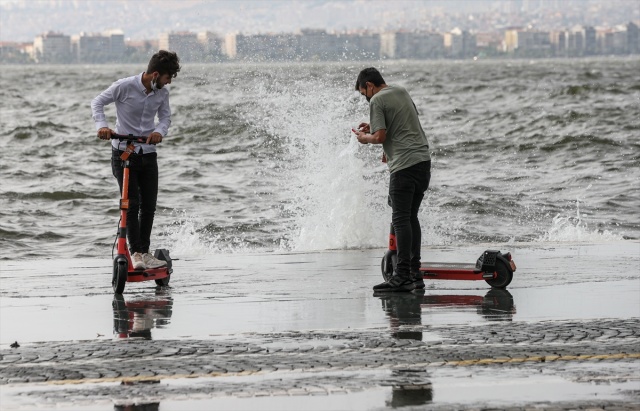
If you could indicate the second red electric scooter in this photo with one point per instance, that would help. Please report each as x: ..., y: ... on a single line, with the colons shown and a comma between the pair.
x: 492, y: 266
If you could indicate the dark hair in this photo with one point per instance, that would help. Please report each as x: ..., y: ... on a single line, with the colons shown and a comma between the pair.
x: 164, y: 62
x: 371, y: 75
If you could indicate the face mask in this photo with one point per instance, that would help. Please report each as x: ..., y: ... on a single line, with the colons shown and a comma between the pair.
x: 154, y: 87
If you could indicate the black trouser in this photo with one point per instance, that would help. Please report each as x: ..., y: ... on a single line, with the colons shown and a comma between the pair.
x: 143, y: 195
x: 406, y: 191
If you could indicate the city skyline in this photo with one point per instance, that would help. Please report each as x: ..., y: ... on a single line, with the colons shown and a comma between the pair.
x: 22, y: 20
x: 315, y: 45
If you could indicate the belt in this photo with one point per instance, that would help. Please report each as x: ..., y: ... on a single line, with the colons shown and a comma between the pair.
x: 141, y: 152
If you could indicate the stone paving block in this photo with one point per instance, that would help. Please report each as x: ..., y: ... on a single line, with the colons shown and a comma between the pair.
x: 465, y: 348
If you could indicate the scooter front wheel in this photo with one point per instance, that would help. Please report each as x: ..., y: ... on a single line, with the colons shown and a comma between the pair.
x: 120, y: 271
x: 503, y: 276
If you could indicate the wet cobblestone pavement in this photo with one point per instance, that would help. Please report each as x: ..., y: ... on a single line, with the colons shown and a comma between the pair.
x: 563, y: 337
x: 325, y: 363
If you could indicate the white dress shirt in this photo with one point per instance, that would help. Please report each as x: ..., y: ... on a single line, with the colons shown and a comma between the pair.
x: 135, y: 111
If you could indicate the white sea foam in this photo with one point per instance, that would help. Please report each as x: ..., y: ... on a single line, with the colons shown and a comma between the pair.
x: 567, y: 228
x: 188, y: 236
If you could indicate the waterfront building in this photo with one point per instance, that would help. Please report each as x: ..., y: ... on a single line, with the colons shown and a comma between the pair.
x: 358, y: 46
x: 459, y: 44
x: 211, y: 45
x: 317, y: 45
x: 411, y: 45
x: 98, y: 48
x: 528, y: 42
x: 12, y: 52
x: 184, y: 43
x: 52, y: 47
x: 262, y: 47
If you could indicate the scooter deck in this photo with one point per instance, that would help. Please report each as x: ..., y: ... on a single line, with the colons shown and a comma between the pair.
x: 453, y: 266
x: 451, y: 271
x: 148, y: 274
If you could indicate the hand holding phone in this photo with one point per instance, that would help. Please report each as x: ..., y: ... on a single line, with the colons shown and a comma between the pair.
x: 364, y: 127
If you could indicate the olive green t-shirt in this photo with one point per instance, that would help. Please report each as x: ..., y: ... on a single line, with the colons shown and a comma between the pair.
x: 393, y: 110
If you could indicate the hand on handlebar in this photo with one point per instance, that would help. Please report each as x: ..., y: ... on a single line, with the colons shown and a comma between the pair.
x: 154, y: 138
x: 105, y: 133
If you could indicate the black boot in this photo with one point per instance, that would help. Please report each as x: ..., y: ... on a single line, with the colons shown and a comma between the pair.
x: 418, y: 279
x: 395, y: 284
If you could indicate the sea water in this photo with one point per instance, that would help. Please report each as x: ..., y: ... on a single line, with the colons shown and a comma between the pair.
x: 261, y: 158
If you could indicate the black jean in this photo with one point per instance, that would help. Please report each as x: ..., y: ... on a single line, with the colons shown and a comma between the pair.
x: 143, y: 196
x: 406, y: 191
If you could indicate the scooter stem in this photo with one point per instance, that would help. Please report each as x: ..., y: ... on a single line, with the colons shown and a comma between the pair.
x: 124, y: 206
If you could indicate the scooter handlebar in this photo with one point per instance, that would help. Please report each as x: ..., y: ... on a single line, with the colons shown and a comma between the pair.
x: 129, y: 137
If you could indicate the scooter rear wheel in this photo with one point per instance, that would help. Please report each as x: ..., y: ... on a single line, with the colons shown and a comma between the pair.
x: 120, y: 271
x: 503, y: 277
x: 163, y: 254
x: 388, y: 264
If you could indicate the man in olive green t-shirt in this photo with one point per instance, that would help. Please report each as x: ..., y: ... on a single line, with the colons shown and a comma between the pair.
x: 394, y: 123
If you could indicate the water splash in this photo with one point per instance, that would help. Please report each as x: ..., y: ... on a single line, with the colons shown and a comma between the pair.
x: 335, y: 186
x: 189, y: 236
x: 575, y: 229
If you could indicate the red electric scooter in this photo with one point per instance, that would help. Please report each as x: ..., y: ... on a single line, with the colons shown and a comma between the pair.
x: 123, y: 271
x: 493, y: 267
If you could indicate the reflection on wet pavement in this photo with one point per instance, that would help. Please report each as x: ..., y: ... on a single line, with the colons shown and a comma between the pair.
x: 138, y: 407
x: 135, y: 317
x: 303, y: 331
x: 405, y: 310
x: 411, y: 388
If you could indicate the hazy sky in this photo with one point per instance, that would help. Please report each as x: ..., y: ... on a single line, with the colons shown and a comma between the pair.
x: 22, y: 20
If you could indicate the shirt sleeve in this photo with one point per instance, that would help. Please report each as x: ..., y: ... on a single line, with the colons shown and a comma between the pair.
x: 98, y: 103
x: 164, y: 117
x: 376, y: 116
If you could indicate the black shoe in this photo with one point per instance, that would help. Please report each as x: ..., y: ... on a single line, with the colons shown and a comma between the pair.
x: 395, y: 284
x: 418, y: 279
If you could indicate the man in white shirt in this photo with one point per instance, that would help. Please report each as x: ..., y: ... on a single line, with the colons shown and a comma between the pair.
x: 138, y: 99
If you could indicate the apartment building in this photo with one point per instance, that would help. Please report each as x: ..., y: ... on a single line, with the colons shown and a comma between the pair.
x: 212, y: 45
x: 528, y: 42
x: 98, y: 48
x: 184, y: 43
x: 411, y: 45
x: 459, y: 44
x: 52, y: 47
